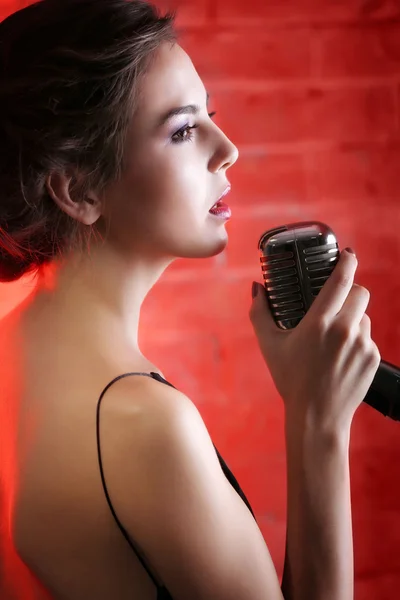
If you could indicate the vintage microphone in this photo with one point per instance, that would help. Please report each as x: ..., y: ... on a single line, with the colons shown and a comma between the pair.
x: 296, y: 260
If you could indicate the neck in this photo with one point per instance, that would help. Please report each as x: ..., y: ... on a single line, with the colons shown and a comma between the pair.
x: 101, y: 290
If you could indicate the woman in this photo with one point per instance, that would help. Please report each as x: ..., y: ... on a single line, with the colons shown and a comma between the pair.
x: 111, y: 487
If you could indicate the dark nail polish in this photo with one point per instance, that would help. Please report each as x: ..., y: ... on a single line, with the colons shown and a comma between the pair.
x: 254, y: 289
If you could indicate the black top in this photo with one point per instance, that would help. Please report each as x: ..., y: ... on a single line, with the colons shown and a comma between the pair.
x: 162, y: 592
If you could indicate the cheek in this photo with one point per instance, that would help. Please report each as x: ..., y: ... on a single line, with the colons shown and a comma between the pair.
x: 182, y: 181
x: 167, y: 180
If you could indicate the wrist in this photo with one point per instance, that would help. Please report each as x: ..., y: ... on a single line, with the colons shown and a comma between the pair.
x: 305, y: 430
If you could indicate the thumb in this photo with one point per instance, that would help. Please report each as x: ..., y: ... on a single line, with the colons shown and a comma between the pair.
x: 260, y: 312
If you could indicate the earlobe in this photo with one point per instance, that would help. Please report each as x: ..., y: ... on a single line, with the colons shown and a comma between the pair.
x: 64, y: 190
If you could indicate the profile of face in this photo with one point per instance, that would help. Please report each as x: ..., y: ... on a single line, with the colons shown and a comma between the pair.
x: 176, y: 168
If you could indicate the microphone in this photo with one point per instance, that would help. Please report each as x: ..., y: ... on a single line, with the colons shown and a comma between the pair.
x: 296, y: 260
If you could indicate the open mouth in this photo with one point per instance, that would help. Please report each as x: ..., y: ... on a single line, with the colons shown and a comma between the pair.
x: 220, y: 209
x: 219, y: 202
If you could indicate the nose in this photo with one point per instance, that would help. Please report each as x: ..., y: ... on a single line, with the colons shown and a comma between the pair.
x: 225, y: 154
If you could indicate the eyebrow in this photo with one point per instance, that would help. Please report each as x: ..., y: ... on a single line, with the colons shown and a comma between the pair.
x: 189, y: 109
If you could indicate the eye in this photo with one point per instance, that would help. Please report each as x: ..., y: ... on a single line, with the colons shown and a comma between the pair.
x: 185, y: 134
x: 180, y: 136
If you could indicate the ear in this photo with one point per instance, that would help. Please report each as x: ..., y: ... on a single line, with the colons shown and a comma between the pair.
x: 64, y: 190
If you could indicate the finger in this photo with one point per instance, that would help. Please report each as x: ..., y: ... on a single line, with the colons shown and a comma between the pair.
x: 333, y: 294
x: 261, y: 314
x: 355, y: 305
x: 365, y: 326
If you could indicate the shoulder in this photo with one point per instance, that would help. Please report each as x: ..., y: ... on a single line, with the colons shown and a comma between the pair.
x: 145, y: 399
x: 140, y: 411
x: 172, y: 497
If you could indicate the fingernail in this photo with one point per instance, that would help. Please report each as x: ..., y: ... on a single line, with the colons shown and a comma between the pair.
x: 350, y: 250
x: 254, y: 289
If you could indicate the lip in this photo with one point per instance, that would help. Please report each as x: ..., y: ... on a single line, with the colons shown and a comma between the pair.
x: 224, y: 193
x: 221, y: 212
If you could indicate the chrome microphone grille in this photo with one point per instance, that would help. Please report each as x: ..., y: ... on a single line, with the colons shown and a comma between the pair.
x: 296, y: 260
x: 282, y: 284
x: 320, y: 262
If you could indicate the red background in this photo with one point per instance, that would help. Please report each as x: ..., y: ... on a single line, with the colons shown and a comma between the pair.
x: 309, y: 92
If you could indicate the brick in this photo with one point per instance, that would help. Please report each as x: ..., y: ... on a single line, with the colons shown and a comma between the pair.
x: 272, y: 55
x: 304, y: 114
x: 360, y: 51
x: 370, y: 430
x: 384, y: 304
x: 190, y: 308
x: 397, y: 131
x: 191, y: 13
x: 252, y: 429
x: 244, y: 235
x: 248, y: 434
x: 245, y: 441
x: 274, y: 533
x: 8, y: 7
x: 262, y: 177
x: 383, y: 587
x: 366, y: 172
x: 236, y: 12
x: 376, y: 539
x: 187, y: 361
x: 253, y: 388
x: 375, y: 487
x: 361, y: 233
x: 263, y: 478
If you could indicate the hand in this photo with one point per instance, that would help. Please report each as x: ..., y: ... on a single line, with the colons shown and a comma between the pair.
x: 324, y: 367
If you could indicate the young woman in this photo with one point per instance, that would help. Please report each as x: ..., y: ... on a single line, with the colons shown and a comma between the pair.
x: 110, y: 486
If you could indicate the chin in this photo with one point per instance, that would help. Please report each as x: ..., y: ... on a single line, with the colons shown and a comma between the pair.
x: 220, y: 246
x: 213, y: 248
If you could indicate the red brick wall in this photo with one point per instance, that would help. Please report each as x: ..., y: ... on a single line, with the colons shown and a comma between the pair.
x: 309, y: 91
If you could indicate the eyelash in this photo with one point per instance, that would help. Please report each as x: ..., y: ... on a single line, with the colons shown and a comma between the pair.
x: 188, y: 129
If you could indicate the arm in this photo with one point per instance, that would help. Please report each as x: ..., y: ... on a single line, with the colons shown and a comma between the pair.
x: 319, y: 543
x: 170, y: 493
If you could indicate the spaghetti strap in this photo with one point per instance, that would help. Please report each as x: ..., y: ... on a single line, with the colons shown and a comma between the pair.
x: 162, y: 592
x: 121, y: 527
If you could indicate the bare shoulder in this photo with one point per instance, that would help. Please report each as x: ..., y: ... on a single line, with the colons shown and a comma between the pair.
x: 142, y: 402
x: 171, y: 495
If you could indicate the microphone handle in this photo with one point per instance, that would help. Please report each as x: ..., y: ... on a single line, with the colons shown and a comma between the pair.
x: 384, y: 392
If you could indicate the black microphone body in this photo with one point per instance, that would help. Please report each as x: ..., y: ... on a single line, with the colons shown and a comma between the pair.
x: 296, y: 260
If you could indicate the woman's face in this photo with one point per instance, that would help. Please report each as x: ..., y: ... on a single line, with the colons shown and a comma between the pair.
x: 160, y: 207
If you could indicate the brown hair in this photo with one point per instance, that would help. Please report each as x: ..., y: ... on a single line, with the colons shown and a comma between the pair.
x: 69, y: 77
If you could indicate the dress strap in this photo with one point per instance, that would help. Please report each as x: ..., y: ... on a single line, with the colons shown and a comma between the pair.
x: 118, y: 522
